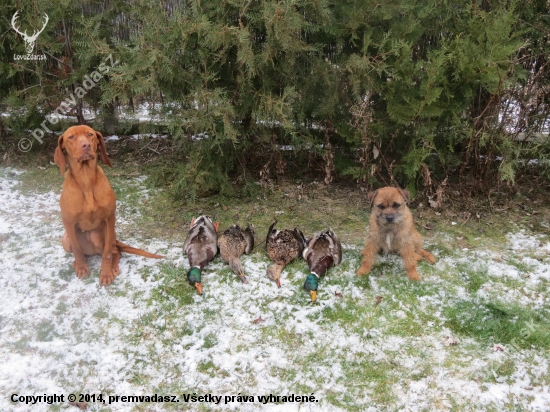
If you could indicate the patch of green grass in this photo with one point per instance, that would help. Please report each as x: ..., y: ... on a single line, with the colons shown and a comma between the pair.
x: 507, y: 282
x: 399, y: 312
x: 61, y: 308
x: 288, y: 337
x: 543, y: 286
x: 139, y: 379
x: 284, y: 374
x: 441, y: 250
x: 490, y: 233
x: 45, y: 331
x: 175, y: 284
x: 21, y: 345
x: 210, y: 341
x: 521, y: 266
x: 493, y: 322
x: 370, y: 376
x: 206, y: 366
x: 476, y: 280
x: 347, y: 313
x: 101, y: 313
x: 67, y: 273
x: 506, y: 368
x: 40, y: 178
x: 473, y: 277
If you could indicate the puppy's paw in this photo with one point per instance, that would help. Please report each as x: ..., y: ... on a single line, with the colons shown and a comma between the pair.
x: 412, y: 274
x: 81, y: 269
x: 428, y: 256
x: 364, y: 269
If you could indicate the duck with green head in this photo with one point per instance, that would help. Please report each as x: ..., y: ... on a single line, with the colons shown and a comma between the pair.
x: 322, y: 251
x: 282, y: 246
x: 200, y: 246
x: 233, y: 242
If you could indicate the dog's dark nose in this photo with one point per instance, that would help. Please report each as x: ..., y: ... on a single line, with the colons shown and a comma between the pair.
x: 390, y: 218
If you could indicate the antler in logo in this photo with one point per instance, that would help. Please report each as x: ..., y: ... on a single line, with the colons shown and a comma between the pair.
x: 30, y: 40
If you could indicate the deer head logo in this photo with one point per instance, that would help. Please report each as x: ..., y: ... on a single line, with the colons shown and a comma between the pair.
x: 30, y: 40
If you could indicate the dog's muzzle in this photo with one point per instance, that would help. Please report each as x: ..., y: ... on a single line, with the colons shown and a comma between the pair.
x: 390, y: 218
x: 86, y: 156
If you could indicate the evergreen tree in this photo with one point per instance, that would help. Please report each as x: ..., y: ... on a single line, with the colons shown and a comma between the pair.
x: 386, y: 92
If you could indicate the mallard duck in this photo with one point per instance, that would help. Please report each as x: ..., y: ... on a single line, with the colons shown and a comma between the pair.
x: 200, y: 246
x: 282, y: 246
x: 233, y: 242
x: 322, y: 251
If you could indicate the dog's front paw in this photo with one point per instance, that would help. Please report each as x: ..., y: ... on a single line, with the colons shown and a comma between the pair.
x: 116, y: 269
x: 412, y: 274
x: 107, y: 276
x: 81, y: 269
x: 364, y: 269
x: 428, y: 256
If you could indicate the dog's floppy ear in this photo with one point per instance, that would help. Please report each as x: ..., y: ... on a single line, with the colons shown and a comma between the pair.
x: 371, y: 196
x: 102, y: 150
x: 406, y: 195
x: 59, y: 157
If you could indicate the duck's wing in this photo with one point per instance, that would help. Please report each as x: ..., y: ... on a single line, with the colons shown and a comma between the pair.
x: 301, y: 239
x: 211, y: 238
x: 270, y: 233
x: 193, y: 233
x: 248, y: 234
x: 319, y: 249
x: 336, y: 246
x: 223, y: 244
x: 200, y: 256
x: 308, y: 250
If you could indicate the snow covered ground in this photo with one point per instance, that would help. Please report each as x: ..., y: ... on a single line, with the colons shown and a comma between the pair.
x: 151, y: 333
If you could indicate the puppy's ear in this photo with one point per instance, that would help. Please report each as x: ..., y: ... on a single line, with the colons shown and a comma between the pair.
x: 59, y: 157
x: 102, y: 150
x: 406, y: 195
x: 371, y: 196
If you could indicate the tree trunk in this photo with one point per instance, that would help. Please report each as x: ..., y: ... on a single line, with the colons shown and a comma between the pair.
x: 110, y: 118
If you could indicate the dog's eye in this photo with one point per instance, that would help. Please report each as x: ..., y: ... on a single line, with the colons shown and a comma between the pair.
x: 396, y: 205
x: 90, y: 134
x: 381, y: 207
x: 71, y: 137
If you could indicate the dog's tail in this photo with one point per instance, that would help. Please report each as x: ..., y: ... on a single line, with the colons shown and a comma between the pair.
x: 135, y: 251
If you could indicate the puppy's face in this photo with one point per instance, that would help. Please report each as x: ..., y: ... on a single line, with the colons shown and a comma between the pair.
x: 389, y: 204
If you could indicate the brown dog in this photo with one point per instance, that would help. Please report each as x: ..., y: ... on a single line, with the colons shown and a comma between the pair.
x: 88, y: 204
x: 391, y: 229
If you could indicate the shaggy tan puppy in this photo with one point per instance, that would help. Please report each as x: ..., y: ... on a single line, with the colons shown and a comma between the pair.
x: 391, y: 229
